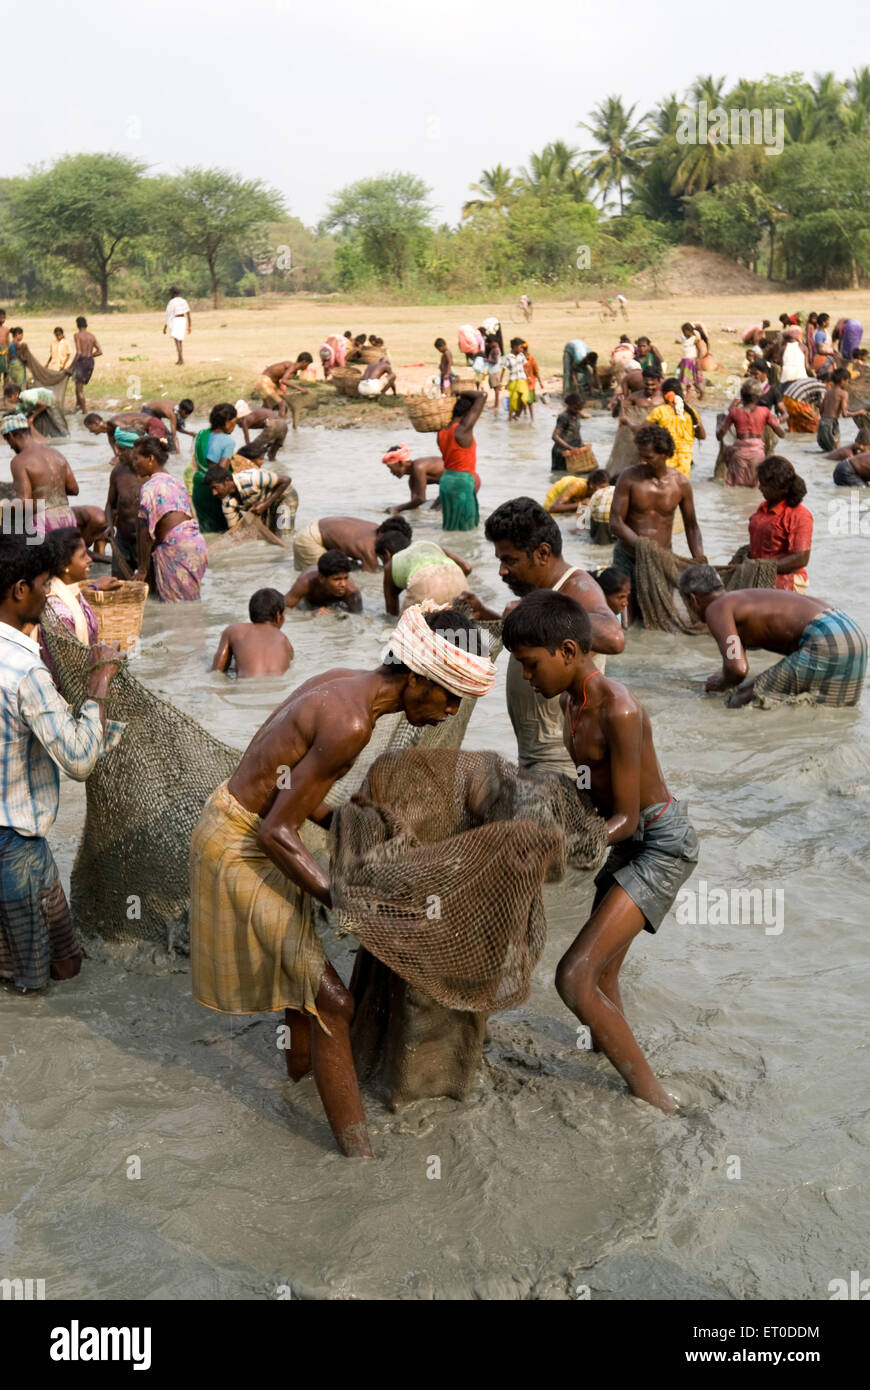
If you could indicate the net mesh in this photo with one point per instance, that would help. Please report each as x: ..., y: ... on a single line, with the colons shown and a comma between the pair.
x: 657, y: 576
x: 438, y: 863
x: 145, y: 796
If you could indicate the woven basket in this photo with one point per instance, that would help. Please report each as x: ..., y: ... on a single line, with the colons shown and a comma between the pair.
x: 346, y: 380
x: 119, y: 611
x: 428, y: 415
x: 368, y: 355
x: 583, y: 460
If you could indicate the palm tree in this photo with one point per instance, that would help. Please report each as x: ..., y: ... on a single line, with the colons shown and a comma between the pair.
x: 621, y: 145
x: 709, y: 89
x: 495, y: 188
x: 699, y: 164
x: 827, y: 98
x: 858, y: 111
x: 552, y: 170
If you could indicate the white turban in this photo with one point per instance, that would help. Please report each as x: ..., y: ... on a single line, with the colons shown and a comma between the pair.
x: 428, y: 654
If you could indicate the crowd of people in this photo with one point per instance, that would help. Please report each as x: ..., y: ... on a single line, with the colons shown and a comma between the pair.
x: 253, y: 943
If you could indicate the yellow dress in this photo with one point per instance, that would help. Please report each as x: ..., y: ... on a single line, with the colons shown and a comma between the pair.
x: 681, y: 428
x: 575, y: 488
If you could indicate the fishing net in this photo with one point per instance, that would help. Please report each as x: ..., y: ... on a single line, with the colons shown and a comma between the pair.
x: 437, y: 865
x: 52, y: 421
x: 657, y: 575
x: 130, y: 877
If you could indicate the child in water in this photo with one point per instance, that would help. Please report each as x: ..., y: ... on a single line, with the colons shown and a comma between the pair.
x: 259, y: 647
x: 653, y: 846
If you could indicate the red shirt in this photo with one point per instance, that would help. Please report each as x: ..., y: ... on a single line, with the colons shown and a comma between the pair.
x: 781, y: 530
x: 456, y: 458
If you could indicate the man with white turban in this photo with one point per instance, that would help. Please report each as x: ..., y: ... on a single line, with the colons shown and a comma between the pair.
x: 253, y: 947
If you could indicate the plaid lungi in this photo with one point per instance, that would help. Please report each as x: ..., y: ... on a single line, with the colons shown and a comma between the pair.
x: 829, y: 664
x: 253, y: 947
x: 35, y: 925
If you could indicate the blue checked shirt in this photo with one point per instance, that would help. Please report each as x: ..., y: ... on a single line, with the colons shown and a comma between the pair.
x: 39, y: 734
x: 252, y: 484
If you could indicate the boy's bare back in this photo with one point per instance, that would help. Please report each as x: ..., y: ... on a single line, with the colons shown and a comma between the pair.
x: 257, y: 649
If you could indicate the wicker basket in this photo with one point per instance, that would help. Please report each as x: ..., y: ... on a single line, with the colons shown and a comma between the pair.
x: 368, y: 355
x: 346, y: 380
x: 428, y: 415
x: 581, y: 460
x: 119, y: 611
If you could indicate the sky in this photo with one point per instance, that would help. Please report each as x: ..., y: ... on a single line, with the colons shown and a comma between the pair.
x: 312, y: 96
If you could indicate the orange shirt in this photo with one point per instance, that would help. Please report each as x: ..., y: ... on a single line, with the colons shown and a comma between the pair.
x: 456, y: 458
x: 781, y: 530
x: 532, y: 373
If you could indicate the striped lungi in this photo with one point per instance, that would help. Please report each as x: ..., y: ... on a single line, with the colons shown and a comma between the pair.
x: 829, y: 664
x: 253, y: 947
x: 35, y: 926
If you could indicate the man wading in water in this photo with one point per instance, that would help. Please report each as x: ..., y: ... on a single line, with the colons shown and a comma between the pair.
x: 253, y: 947
x: 646, y: 500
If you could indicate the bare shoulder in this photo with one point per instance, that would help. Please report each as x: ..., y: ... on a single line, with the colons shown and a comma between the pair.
x: 619, y: 705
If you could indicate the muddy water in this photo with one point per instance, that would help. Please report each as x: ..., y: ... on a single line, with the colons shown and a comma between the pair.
x: 551, y: 1178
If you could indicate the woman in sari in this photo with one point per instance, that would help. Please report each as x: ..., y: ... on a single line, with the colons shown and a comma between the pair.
x: 168, y: 535
x: 70, y: 567
x: 213, y: 445
x: 749, y: 420
x: 681, y: 423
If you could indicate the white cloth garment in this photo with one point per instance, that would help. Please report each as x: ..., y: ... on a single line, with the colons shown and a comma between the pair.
x: 176, y: 316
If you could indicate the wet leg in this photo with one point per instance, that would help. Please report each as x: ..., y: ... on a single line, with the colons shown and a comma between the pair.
x: 607, y: 935
x: 334, y: 1073
x: 298, y: 1054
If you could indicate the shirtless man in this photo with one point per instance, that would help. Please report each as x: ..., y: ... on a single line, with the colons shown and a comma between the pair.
x: 40, y: 473
x: 132, y: 420
x: 326, y: 585
x: 274, y: 382
x: 264, y: 932
x: 350, y: 534
x: 272, y: 432
x: 173, y: 414
x: 528, y: 547
x: 81, y: 369
x: 654, y: 847
x: 853, y: 466
x: 377, y: 379
x: 646, y: 498
x: 835, y: 408
x: 825, y: 650
x: 419, y: 472
x: 258, y: 647
x: 122, y: 515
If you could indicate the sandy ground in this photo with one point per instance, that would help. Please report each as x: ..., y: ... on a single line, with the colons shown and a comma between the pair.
x: 230, y: 346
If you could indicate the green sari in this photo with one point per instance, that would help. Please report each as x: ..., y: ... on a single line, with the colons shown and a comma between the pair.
x: 459, y: 511
x: 209, y: 512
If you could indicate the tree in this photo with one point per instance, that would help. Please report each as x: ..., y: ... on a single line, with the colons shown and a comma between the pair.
x: 555, y: 170
x: 729, y: 220
x: 387, y: 222
x: 495, y: 189
x: 207, y: 213
x: 86, y: 209
x: 621, y: 144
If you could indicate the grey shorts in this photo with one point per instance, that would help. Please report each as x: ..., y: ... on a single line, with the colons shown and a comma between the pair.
x: 654, y: 864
